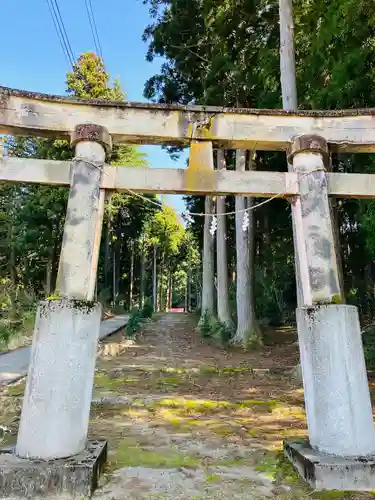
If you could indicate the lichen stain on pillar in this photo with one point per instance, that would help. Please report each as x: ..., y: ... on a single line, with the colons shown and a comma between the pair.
x: 309, y: 156
x: 200, y: 174
x: 80, y: 226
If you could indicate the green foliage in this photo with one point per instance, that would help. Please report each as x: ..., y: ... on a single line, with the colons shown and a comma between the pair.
x: 5, y: 334
x: 254, y: 341
x: 32, y: 217
x: 368, y: 339
x: 148, y: 308
x: 137, y: 317
x: 224, y: 332
x: 89, y: 80
x: 133, y: 325
x: 118, y: 309
x: 205, y: 325
x: 227, y: 54
x: 277, y: 467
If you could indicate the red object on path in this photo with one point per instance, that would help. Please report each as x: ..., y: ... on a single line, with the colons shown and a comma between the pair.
x: 177, y: 310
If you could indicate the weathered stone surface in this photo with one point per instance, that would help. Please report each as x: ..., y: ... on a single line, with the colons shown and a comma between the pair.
x: 309, y: 144
x: 337, y: 397
x: 62, y: 479
x: 92, y: 132
x: 84, y: 217
x: 325, y: 472
x: 57, y: 399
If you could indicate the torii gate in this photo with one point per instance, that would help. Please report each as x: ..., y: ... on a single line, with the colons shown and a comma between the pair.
x: 56, y: 405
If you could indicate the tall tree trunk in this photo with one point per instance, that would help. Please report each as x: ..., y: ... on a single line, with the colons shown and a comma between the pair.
x: 335, y: 217
x: 12, y: 271
x: 186, y: 301
x: 142, y: 275
x: 188, y: 290
x: 48, y: 280
x: 169, y: 290
x: 107, y: 256
x: 132, y: 249
x: 55, y: 255
x: 198, y: 291
x: 208, y: 262
x: 247, y: 327
x: 289, y: 95
x: 162, y: 302
x: 114, y: 277
x: 223, y: 310
x: 155, y: 280
x: 48, y: 285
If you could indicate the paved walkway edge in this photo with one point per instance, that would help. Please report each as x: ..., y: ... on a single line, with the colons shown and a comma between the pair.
x: 14, y: 364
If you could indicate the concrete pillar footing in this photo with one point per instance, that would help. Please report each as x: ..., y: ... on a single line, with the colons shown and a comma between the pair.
x: 61, y: 479
x: 324, y: 472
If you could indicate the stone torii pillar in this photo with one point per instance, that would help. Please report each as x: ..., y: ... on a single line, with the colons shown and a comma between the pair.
x: 338, y: 406
x: 56, y: 406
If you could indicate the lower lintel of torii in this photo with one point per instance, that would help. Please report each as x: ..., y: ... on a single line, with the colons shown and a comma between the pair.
x: 176, y: 180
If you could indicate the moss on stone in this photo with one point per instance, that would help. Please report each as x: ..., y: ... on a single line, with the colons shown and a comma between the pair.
x: 102, y: 381
x: 276, y: 466
x: 17, y: 389
x: 129, y: 454
x: 213, y: 478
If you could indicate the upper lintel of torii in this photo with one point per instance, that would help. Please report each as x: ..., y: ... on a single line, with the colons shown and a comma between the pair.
x: 31, y: 113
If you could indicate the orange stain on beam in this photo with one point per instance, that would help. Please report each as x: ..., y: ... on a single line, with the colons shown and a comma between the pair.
x: 200, y: 173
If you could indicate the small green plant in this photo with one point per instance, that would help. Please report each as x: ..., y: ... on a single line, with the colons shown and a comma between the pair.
x: 224, y: 332
x: 254, y: 341
x: 5, y: 334
x: 54, y: 296
x: 134, y: 322
x: 205, y: 325
x: 148, y: 308
x: 368, y: 339
x: 118, y: 309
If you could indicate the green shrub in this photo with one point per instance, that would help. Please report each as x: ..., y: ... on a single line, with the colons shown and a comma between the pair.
x: 118, y: 309
x: 368, y: 339
x: 224, y: 332
x: 205, y: 325
x: 5, y: 334
x: 134, y: 322
x: 148, y: 308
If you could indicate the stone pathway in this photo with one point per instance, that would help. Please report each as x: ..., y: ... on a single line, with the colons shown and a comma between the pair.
x: 188, y: 420
x: 14, y: 364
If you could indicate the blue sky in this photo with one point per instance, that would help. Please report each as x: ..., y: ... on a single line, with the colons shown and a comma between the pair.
x: 32, y: 58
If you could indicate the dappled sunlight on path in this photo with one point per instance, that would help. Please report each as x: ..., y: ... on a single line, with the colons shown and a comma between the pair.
x: 185, y: 419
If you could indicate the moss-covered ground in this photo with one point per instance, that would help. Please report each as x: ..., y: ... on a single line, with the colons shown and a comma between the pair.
x: 188, y: 420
